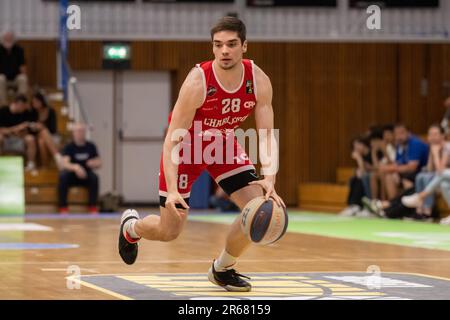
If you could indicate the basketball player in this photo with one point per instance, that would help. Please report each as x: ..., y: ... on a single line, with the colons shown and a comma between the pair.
x: 219, y: 95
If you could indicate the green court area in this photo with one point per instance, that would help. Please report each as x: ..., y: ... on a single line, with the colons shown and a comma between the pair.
x: 12, y: 197
x: 398, y: 232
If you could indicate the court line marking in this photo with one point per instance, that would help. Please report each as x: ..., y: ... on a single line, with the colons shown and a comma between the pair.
x: 422, y: 274
x: 265, y: 273
x: 122, y: 297
x: 65, y: 270
x: 209, y: 261
x: 103, y: 290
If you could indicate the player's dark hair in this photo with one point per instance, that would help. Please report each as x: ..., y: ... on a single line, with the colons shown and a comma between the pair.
x: 21, y: 98
x: 229, y: 23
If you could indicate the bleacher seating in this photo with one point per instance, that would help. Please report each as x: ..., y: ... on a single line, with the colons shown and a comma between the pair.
x: 332, y: 197
x: 41, y: 186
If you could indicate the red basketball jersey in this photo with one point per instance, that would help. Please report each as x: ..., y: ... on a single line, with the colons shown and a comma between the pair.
x: 222, y: 109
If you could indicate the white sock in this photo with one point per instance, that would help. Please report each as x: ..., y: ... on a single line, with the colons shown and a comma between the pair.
x: 129, y: 228
x: 224, y: 262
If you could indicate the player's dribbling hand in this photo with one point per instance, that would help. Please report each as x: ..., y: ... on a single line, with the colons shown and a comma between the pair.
x: 172, y: 200
x: 268, y: 185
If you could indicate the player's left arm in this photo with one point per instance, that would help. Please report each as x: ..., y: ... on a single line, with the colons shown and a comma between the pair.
x: 268, y: 146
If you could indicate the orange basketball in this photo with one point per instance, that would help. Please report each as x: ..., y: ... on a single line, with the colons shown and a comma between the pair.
x: 264, y: 222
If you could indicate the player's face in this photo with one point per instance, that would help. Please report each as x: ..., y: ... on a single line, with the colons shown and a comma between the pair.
x: 228, y: 49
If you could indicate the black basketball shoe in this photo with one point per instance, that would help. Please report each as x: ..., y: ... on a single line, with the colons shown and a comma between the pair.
x: 229, y: 279
x: 128, y: 248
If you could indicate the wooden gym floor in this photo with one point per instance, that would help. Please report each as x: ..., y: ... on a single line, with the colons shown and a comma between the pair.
x: 35, y: 270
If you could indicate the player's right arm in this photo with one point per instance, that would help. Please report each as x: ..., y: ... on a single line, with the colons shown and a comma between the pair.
x: 190, y: 98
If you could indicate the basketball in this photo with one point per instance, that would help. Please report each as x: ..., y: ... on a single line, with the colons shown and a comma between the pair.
x: 264, y: 221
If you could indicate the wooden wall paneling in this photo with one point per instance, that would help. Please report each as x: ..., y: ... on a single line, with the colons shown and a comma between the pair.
x: 296, y: 135
x: 85, y: 55
x: 367, y: 91
x: 323, y: 115
x: 446, y: 67
x: 412, y: 105
x: 353, y: 108
x: 143, y: 55
x: 41, y: 62
x: 386, y: 84
x: 271, y: 58
x: 437, y: 75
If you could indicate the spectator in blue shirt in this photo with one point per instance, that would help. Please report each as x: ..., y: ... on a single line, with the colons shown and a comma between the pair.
x: 411, y: 155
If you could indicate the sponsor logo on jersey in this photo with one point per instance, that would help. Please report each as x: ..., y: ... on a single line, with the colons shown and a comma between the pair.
x: 211, y: 91
x: 249, y: 104
x: 210, y: 108
x: 249, y: 87
x: 211, y: 100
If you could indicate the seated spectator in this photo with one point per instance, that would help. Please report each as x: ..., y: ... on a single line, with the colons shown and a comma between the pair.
x: 388, y: 144
x: 44, y: 127
x: 80, y: 160
x: 437, y: 162
x: 438, y: 176
x: 359, y: 183
x: 15, y: 131
x: 383, y: 152
x: 392, y: 209
x: 12, y: 67
x: 411, y: 155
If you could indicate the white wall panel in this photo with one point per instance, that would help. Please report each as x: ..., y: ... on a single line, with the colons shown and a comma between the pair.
x: 96, y: 90
x: 146, y: 98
